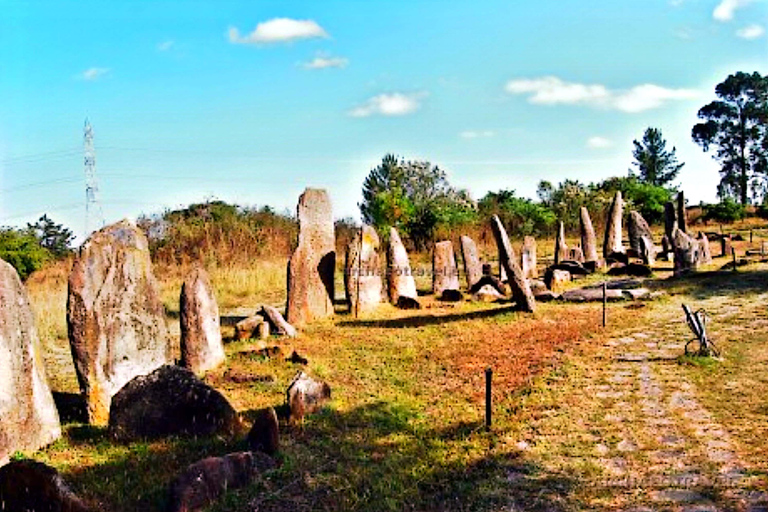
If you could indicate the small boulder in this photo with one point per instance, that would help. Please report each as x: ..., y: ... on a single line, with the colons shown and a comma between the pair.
x: 306, y: 395
x: 262, y: 331
x: 169, y: 401
x: 487, y: 293
x: 556, y: 279
x: 264, y: 435
x: 245, y: 329
x: 31, y: 486
x: 205, y: 481
x: 407, y: 303
x: 297, y: 358
x: 277, y: 323
x: 451, y: 296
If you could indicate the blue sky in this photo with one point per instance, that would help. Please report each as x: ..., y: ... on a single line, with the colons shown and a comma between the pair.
x: 252, y: 101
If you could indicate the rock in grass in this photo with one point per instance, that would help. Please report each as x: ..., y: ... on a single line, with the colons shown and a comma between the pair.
x: 264, y: 435
x: 400, y: 281
x: 28, y: 416
x: 637, y: 228
x: 205, y: 481
x: 556, y: 280
x: 115, y: 317
x: 306, y: 395
x: 407, y: 303
x: 28, y: 485
x: 561, y: 248
x: 592, y: 295
x: 201, y: 346
x: 451, y: 296
x: 171, y: 401
x: 487, y: 293
x: 246, y: 328
x: 277, y: 323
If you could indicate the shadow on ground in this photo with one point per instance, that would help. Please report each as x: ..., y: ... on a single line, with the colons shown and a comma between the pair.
x: 428, y: 319
x: 705, y: 285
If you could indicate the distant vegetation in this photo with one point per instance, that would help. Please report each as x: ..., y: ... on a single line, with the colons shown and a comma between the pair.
x: 28, y: 249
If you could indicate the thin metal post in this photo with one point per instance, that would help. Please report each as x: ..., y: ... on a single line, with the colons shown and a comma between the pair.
x: 605, y: 301
x: 488, y: 379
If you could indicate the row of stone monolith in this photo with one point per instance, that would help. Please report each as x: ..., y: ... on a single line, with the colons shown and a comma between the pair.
x: 362, y: 276
x: 28, y: 416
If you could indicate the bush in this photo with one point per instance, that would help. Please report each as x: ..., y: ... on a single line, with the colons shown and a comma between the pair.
x: 22, y: 250
x: 727, y: 210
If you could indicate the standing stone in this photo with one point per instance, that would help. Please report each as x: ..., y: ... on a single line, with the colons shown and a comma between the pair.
x: 670, y: 221
x: 312, y: 264
x: 561, y: 248
x: 201, y: 346
x: 556, y: 280
x: 666, y: 246
x: 588, y: 241
x: 472, y: 267
x: 638, y: 228
x: 445, y: 273
x: 28, y: 417
x: 612, y: 243
x: 725, y: 246
x: 647, y: 251
x: 687, y: 256
x: 521, y: 291
x: 706, y: 252
x: 400, y: 278
x: 528, y: 258
x: 115, y: 318
x: 682, y: 220
x: 575, y: 254
x: 362, y: 276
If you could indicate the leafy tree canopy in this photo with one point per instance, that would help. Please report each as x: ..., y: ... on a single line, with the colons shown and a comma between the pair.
x: 51, y: 236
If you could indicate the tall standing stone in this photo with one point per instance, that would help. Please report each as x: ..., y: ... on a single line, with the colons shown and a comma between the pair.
x: 115, y: 318
x: 521, y: 290
x: 682, y: 220
x: 472, y: 268
x: 312, y: 265
x: 400, y: 279
x: 670, y: 221
x: 561, y: 248
x: 445, y: 273
x: 687, y: 253
x: 28, y: 417
x: 528, y: 258
x: 647, y: 251
x: 201, y: 346
x: 637, y: 228
x: 612, y: 243
x: 362, y: 275
x: 725, y: 246
x: 706, y: 251
x: 588, y: 240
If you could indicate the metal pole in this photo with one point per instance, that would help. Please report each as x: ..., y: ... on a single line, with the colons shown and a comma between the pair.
x: 605, y: 301
x: 488, y: 379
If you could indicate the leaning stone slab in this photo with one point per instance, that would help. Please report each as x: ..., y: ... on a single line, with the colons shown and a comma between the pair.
x: 445, y: 273
x: 201, y: 345
x: 612, y: 243
x: 28, y: 485
x: 306, y: 395
x: 313, y: 263
x: 637, y: 228
x: 362, y: 275
x: 521, y: 292
x: 472, y: 267
x: 171, y: 401
x: 588, y: 241
x: 28, y: 416
x: 277, y: 323
x: 400, y: 279
x: 115, y: 318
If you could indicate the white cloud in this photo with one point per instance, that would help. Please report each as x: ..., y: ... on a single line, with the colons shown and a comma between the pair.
x: 321, y: 62
x: 394, y: 104
x: 552, y: 90
x: 751, y: 32
x: 278, y: 30
x: 472, y: 134
x: 165, y: 46
x: 93, y: 73
x: 727, y: 8
x: 598, y: 142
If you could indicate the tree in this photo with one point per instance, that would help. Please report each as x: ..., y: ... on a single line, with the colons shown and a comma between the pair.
x: 22, y: 250
x: 565, y: 200
x: 520, y: 215
x: 644, y: 197
x: 51, y: 236
x: 735, y: 126
x: 655, y: 165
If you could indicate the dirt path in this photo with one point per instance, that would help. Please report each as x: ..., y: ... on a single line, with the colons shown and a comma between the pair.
x: 628, y: 431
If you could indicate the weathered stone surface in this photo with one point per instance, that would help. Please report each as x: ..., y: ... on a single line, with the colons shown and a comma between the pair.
x: 686, y: 253
x: 612, y: 243
x: 592, y: 295
x: 400, y: 280
x: 445, y: 273
x: 262, y: 331
x: 407, y: 303
x: 670, y: 221
x: 647, y: 251
x: 637, y: 228
x: 115, y: 318
x: 264, y: 435
x: 205, y: 481
x: 169, y: 401
x: 557, y: 279
x: 28, y: 416
x: 451, y: 296
x: 575, y: 254
x: 201, y: 346
x: 561, y: 248
x: 472, y: 267
x: 276, y: 322
x: 682, y: 219
x: 725, y: 246
x: 28, y: 485
x: 588, y: 240
x: 528, y: 261
x: 706, y: 252
x: 574, y: 267
x: 362, y: 276
x: 246, y: 328
x: 487, y: 293
x: 313, y: 263
x: 306, y: 395
x: 666, y: 246
x: 521, y: 292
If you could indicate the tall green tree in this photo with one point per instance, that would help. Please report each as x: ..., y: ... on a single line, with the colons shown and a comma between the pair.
x: 54, y: 237
x: 735, y: 127
x: 22, y: 250
x: 655, y: 164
